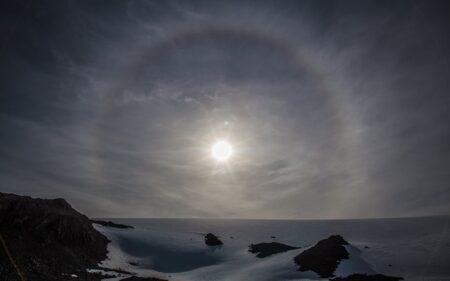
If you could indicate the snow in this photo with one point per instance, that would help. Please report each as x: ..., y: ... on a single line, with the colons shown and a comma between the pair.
x: 355, y: 264
x: 174, y: 249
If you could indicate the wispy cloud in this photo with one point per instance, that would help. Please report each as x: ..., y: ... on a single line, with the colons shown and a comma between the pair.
x: 334, y: 109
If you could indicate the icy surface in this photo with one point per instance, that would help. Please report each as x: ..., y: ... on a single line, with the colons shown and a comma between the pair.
x: 413, y: 248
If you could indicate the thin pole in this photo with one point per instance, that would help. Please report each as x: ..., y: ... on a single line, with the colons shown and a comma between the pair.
x: 11, y: 259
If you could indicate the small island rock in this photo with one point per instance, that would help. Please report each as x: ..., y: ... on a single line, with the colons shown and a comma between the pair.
x: 267, y: 249
x: 212, y: 240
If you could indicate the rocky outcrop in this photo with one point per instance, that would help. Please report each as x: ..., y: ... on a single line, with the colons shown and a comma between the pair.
x: 324, y: 257
x: 365, y: 277
x: 111, y: 224
x: 47, y: 240
x: 212, y: 240
x: 267, y: 249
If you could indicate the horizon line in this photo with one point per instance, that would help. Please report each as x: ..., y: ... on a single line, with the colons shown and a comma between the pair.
x: 275, y: 219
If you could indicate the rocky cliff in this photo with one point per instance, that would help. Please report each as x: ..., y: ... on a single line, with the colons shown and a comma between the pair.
x: 46, y: 240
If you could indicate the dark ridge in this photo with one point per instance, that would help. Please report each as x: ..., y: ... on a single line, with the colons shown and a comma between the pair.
x: 268, y: 249
x: 111, y: 224
x: 324, y: 257
x: 212, y: 240
x: 48, y: 240
x: 365, y: 277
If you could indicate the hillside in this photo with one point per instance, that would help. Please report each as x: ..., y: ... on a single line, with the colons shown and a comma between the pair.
x: 47, y: 240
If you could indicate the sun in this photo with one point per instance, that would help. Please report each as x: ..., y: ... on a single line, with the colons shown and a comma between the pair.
x: 221, y: 151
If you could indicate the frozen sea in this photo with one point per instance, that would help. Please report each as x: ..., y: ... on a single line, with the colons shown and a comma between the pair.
x: 412, y: 248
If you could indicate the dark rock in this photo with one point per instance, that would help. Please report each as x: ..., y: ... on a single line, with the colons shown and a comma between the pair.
x: 116, y: 270
x: 48, y: 239
x: 273, y: 237
x: 365, y: 277
x: 390, y: 265
x: 111, y: 224
x: 134, y: 278
x: 366, y: 247
x: 324, y: 257
x: 268, y: 249
x: 212, y: 240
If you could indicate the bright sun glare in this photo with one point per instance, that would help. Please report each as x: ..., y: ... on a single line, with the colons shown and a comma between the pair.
x: 221, y: 151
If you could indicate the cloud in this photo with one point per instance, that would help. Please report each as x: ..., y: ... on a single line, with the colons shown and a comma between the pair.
x: 334, y: 110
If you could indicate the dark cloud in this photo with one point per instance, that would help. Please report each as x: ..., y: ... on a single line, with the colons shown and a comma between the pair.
x: 335, y: 108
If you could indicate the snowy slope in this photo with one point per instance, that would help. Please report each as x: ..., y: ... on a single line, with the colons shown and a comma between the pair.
x: 416, y: 249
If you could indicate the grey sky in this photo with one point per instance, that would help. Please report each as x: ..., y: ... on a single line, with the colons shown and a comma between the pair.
x: 335, y: 109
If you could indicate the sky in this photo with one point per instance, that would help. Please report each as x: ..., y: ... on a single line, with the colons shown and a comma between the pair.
x: 334, y: 109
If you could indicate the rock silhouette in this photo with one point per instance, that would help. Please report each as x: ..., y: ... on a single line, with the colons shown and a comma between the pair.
x: 212, y: 240
x: 111, y: 224
x: 48, y: 239
x: 134, y: 278
x: 324, y: 257
x: 365, y: 277
x: 267, y: 249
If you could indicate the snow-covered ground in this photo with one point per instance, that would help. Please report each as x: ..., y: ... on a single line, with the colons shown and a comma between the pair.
x: 174, y: 249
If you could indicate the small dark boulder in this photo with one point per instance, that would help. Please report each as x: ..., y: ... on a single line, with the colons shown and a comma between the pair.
x: 267, y: 249
x: 324, y: 257
x: 111, y: 224
x: 212, y: 240
x: 365, y: 277
x: 366, y: 247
